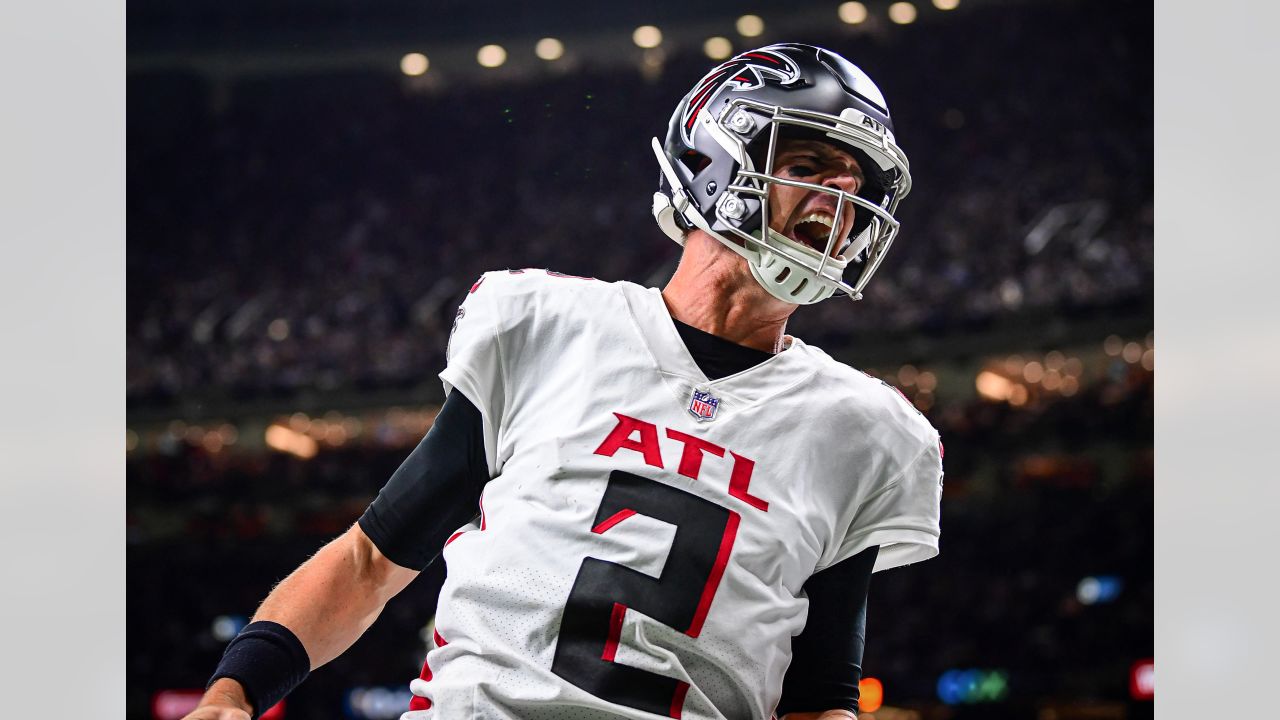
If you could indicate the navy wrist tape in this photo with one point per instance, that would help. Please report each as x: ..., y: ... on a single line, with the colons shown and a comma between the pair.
x: 268, y: 660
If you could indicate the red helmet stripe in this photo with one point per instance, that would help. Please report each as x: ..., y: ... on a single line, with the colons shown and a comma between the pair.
x: 702, y: 97
x: 707, y: 85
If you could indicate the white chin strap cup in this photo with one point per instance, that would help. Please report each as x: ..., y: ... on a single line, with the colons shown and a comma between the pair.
x: 786, y: 280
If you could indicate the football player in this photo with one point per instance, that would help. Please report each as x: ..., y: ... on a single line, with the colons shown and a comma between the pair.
x: 653, y: 503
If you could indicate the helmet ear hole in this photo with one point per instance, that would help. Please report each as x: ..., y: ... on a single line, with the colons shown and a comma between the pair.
x: 695, y: 161
x: 782, y: 276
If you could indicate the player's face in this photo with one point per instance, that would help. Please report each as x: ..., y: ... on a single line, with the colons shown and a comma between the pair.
x: 807, y: 216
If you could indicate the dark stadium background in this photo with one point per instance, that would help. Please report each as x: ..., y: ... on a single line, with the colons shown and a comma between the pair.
x: 304, y: 217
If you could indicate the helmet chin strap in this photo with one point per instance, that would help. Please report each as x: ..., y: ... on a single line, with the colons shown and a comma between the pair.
x: 800, y: 286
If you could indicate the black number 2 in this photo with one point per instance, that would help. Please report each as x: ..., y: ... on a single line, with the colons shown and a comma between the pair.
x: 680, y: 598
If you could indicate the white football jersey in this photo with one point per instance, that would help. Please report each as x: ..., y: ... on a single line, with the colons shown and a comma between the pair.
x: 643, y: 543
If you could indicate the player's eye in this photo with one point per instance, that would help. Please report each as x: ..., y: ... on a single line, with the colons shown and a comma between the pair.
x: 800, y: 170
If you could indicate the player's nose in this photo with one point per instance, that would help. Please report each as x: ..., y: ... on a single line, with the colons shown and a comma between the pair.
x: 842, y: 180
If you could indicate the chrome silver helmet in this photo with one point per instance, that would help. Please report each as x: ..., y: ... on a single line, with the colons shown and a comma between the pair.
x: 718, y: 166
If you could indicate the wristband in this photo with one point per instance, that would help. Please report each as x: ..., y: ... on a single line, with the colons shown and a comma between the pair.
x: 268, y: 660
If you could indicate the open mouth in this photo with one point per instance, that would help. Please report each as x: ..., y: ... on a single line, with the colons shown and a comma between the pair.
x: 814, y: 230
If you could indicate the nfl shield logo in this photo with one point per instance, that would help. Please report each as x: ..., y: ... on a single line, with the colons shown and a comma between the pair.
x: 703, y: 406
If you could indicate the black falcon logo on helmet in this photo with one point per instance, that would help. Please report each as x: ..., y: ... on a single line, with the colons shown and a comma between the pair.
x: 747, y: 71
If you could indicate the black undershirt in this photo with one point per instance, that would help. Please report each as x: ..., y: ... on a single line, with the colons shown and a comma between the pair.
x: 437, y: 490
x: 717, y: 357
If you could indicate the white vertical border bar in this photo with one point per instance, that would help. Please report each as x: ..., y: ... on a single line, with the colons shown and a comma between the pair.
x: 62, y: 184
x: 1217, y: 488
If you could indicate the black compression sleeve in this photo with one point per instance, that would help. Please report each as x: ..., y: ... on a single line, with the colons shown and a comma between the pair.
x: 826, y: 663
x: 435, y: 491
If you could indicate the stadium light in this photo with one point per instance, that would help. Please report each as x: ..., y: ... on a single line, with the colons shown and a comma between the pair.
x: 228, y: 433
x: 717, y: 48
x: 647, y: 36
x: 1095, y: 590
x: 278, y: 330
x: 225, y: 627
x: 852, y: 12
x: 870, y: 694
x: 414, y: 64
x: 1033, y: 372
x: 964, y: 687
x: 1052, y: 380
x: 907, y: 375
x: 1074, y: 367
x: 993, y: 386
x: 491, y: 56
x: 927, y: 381
x: 1132, y: 352
x: 1142, y: 680
x: 902, y: 13
x: 1070, y: 386
x: 279, y: 437
x: 750, y: 26
x: 946, y: 4
x: 549, y: 49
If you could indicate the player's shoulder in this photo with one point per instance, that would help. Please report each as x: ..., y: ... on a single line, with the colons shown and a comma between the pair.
x: 536, y: 293
x: 861, y: 397
x: 526, y: 281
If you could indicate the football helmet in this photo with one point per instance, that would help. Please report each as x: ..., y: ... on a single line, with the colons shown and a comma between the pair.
x: 718, y: 166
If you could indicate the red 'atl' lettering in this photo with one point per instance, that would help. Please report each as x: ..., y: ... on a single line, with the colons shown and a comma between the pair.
x: 691, y: 457
x: 740, y: 480
x: 620, y: 438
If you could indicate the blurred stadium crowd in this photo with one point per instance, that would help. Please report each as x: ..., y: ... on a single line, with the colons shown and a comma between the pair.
x: 318, y: 232
x: 315, y: 233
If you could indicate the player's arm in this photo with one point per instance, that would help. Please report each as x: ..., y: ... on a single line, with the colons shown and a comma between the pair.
x: 324, y: 606
x: 826, y: 663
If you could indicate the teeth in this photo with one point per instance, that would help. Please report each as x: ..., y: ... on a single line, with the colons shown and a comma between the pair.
x: 821, y: 219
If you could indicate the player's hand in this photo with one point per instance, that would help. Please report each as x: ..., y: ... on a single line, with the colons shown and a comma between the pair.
x: 224, y: 700
x: 218, y: 712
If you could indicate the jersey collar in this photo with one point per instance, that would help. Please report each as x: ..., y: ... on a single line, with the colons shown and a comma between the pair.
x: 682, y: 375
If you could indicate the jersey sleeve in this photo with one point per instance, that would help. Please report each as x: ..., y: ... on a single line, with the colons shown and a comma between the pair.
x: 902, y: 516
x: 474, y: 364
